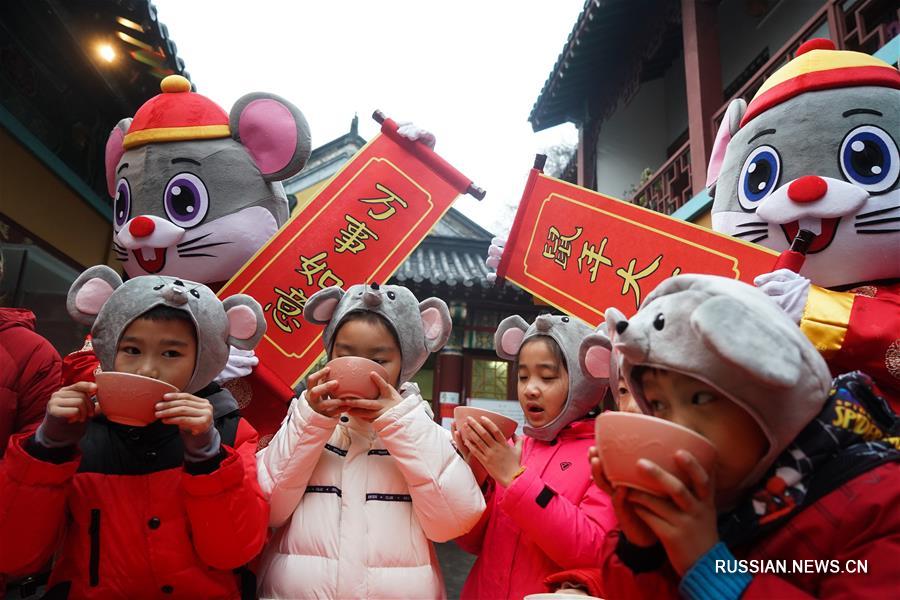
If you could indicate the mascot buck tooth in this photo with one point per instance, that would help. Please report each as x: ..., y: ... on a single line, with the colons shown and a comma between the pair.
x: 817, y: 149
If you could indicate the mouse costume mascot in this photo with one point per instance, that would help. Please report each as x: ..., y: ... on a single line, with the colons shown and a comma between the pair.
x: 196, y: 193
x: 817, y: 149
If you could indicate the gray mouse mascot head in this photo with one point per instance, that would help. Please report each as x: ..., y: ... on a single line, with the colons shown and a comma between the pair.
x: 587, y: 355
x: 733, y: 337
x: 196, y: 190
x: 98, y: 298
x: 816, y: 149
x: 421, y: 327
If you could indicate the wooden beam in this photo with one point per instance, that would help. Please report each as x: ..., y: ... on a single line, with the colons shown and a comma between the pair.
x: 703, y: 79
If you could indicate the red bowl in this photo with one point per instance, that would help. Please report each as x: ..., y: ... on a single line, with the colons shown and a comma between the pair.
x: 624, y: 438
x: 352, y: 375
x: 130, y: 399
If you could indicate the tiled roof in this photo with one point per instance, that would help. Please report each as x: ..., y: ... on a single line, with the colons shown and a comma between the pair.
x: 447, y: 261
x: 598, y: 56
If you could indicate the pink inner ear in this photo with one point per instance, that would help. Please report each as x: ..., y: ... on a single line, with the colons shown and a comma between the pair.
x: 268, y: 131
x: 241, y: 322
x: 723, y: 137
x: 324, y: 310
x: 431, y: 321
x: 596, y: 361
x: 92, y: 296
x: 114, y: 152
x: 511, y: 340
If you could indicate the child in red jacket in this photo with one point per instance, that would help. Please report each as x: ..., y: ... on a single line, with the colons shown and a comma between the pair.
x: 543, y: 514
x: 804, y: 493
x: 164, y: 510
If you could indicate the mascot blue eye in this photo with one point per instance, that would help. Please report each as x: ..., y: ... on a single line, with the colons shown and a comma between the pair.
x: 122, y: 202
x: 869, y: 158
x: 759, y: 176
x: 186, y: 200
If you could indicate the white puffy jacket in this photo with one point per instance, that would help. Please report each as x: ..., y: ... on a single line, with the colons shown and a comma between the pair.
x: 355, y: 503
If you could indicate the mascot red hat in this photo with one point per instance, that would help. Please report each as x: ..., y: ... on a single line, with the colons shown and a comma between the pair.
x: 177, y: 114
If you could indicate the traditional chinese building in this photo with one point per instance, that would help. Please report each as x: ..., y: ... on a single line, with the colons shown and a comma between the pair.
x: 449, y: 264
x: 68, y: 72
x: 648, y: 81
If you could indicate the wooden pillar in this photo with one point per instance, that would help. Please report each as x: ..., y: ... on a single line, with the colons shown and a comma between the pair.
x: 586, y: 153
x: 703, y: 79
x: 448, y: 379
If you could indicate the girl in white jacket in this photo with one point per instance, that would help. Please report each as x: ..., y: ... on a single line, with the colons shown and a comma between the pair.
x: 357, y: 497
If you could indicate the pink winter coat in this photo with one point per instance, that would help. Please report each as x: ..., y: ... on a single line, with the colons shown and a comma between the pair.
x: 551, y: 518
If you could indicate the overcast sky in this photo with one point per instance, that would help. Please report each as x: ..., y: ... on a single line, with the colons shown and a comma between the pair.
x: 469, y: 71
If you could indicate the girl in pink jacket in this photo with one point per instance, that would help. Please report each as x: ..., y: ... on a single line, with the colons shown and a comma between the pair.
x: 543, y: 514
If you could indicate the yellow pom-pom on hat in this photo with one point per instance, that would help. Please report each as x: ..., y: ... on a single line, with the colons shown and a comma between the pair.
x: 176, y: 114
x: 819, y: 66
x: 174, y: 84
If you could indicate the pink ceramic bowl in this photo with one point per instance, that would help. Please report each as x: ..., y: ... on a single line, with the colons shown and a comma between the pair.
x: 352, y: 375
x: 130, y: 399
x: 506, y: 425
x: 623, y: 438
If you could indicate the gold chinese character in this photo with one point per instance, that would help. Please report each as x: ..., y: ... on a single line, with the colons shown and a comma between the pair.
x: 630, y: 278
x: 559, y: 247
x: 595, y: 256
x: 310, y: 267
x: 288, y: 307
x: 387, y: 202
x: 353, y: 238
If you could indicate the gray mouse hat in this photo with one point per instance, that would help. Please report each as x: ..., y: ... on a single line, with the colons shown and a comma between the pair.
x: 587, y: 361
x: 736, y: 339
x: 422, y: 327
x: 100, y: 299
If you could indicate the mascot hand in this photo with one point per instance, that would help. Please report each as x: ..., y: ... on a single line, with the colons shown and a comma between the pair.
x: 240, y: 364
x: 788, y: 289
x: 495, y: 253
x: 411, y: 132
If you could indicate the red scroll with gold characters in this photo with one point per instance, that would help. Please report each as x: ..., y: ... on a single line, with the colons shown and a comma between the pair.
x: 359, y: 228
x: 583, y: 252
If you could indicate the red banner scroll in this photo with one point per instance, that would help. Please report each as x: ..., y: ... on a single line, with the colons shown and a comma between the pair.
x: 359, y: 228
x: 583, y: 252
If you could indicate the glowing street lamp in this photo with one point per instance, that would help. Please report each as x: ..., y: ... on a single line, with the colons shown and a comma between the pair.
x: 106, y: 52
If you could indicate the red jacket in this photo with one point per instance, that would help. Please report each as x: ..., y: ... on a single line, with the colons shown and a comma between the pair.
x: 859, y: 521
x: 29, y: 373
x: 552, y: 517
x: 129, y: 529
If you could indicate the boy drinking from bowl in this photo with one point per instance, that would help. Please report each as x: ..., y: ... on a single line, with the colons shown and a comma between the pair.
x: 358, y: 498
x: 807, y: 469
x: 141, y: 510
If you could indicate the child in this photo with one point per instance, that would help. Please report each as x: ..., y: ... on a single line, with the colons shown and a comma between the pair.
x: 543, y: 514
x: 805, y: 477
x: 356, y: 498
x: 166, y: 509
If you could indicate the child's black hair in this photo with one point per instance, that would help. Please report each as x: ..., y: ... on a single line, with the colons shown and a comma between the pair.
x: 373, y: 318
x: 161, y: 312
x: 550, y: 343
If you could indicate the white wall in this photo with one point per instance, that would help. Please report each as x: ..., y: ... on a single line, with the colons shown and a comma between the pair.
x: 742, y: 37
x: 637, y: 134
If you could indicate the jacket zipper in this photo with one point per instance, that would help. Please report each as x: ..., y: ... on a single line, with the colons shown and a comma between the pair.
x: 94, y: 531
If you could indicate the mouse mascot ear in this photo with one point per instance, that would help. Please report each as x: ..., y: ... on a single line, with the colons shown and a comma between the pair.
x: 274, y: 132
x: 114, y: 150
